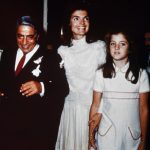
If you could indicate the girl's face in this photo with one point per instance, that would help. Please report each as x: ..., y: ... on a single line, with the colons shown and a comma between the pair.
x: 119, y: 47
x: 79, y: 23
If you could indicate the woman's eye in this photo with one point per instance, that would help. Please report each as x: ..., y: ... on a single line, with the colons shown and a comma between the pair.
x: 75, y: 18
x: 87, y: 18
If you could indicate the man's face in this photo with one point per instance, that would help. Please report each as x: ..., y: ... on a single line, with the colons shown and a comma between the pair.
x: 26, y: 38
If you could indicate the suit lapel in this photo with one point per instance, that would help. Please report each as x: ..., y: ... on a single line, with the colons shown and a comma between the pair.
x: 30, y: 65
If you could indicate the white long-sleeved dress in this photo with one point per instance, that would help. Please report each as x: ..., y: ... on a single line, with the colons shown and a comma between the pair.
x: 120, y: 124
x: 80, y: 62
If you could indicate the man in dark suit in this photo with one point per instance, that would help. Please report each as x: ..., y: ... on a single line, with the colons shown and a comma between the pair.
x: 32, y: 87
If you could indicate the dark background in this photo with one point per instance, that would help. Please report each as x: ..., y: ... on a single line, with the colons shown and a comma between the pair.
x: 132, y: 14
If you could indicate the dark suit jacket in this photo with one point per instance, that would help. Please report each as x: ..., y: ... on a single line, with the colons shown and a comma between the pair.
x: 32, y: 117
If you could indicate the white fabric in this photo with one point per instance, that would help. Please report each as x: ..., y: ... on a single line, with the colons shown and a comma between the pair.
x: 80, y: 61
x: 28, y: 55
x: 120, y: 123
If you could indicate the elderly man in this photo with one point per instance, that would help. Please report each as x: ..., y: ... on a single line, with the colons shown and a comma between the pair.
x: 32, y: 87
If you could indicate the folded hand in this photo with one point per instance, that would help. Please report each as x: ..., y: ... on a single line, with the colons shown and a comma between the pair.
x: 30, y: 88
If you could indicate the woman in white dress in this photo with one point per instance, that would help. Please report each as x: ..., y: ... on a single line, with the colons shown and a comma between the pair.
x: 124, y: 88
x: 81, y: 58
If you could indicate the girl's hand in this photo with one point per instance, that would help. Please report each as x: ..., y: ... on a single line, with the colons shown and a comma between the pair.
x: 95, y: 120
x: 142, y: 146
x: 92, y: 132
x: 93, y: 126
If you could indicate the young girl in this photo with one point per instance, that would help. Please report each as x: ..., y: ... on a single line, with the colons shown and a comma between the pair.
x: 124, y: 88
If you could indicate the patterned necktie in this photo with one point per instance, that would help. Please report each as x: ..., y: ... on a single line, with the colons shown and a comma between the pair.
x: 20, y: 64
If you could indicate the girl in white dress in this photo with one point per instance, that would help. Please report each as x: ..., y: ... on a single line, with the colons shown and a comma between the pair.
x: 124, y: 88
x: 81, y: 58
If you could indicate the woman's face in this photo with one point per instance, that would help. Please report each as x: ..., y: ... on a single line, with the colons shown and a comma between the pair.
x: 119, y: 47
x: 79, y: 23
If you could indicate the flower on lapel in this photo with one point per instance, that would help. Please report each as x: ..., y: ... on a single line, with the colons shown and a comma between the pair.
x: 38, y: 61
x: 61, y: 64
x: 36, y: 72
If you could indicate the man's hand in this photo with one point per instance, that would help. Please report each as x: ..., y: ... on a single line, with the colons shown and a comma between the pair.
x: 30, y: 88
x: 1, y: 94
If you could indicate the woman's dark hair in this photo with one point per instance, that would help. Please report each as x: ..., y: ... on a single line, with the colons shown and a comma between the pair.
x: 66, y: 29
x: 134, y: 67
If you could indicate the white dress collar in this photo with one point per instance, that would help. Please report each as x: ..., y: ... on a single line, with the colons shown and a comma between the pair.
x: 79, y: 42
x: 122, y: 69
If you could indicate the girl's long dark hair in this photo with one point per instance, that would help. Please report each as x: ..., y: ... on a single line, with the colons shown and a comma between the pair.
x: 134, y: 67
x: 66, y: 29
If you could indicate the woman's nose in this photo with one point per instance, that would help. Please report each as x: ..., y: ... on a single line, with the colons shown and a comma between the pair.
x: 82, y: 21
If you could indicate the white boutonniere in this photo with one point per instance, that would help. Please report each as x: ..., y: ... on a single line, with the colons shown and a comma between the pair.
x: 61, y: 64
x: 38, y: 61
x: 36, y: 72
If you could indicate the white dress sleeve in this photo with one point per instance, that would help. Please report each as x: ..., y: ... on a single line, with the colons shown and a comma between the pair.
x: 98, y: 81
x: 144, y: 82
x: 100, y: 46
x: 98, y: 86
x: 61, y: 51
